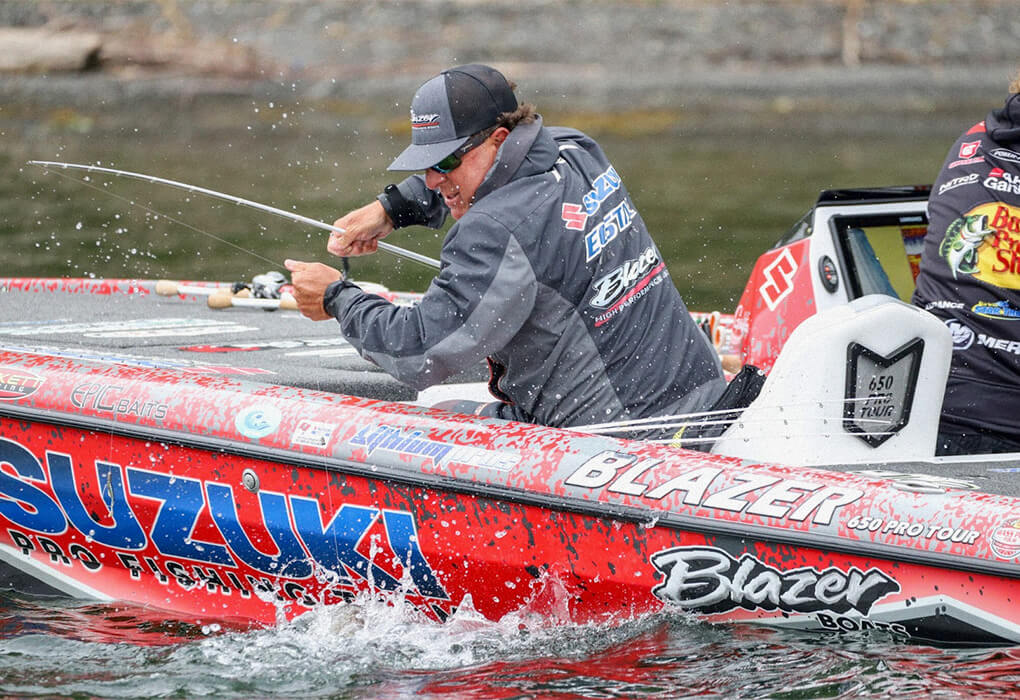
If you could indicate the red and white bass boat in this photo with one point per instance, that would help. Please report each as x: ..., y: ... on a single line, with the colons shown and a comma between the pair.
x: 240, y: 465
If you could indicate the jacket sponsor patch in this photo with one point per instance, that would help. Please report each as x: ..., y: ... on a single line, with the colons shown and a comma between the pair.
x: 985, y: 242
x: 1005, y: 154
x: 959, y: 182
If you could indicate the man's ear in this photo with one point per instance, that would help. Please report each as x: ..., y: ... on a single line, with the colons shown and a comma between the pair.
x: 500, y: 134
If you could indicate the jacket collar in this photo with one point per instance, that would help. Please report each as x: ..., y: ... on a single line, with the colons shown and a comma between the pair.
x: 529, y: 149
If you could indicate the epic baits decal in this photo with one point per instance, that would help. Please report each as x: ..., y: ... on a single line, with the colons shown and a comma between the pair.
x: 708, y: 580
x: 257, y: 422
x: 1005, y: 539
x: 712, y: 487
x: 778, y: 279
x: 985, y: 243
x: 108, y: 398
x: 302, y: 542
x: 412, y: 444
x: 16, y: 383
x: 139, y: 328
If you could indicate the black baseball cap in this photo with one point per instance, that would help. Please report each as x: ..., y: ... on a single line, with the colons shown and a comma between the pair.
x: 449, y: 109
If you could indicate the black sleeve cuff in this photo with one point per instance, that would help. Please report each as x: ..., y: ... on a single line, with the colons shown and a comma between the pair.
x: 332, y: 293
x: 402, y: 211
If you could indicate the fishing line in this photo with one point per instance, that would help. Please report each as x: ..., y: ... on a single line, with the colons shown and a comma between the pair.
x: 132, y: 203
x: 152, y: 179
x: 686, y: 418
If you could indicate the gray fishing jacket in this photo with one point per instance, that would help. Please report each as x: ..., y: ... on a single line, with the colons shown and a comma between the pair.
x: 552, y: 276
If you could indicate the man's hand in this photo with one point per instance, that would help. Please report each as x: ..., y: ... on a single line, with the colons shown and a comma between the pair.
x: 361, y: 231
x: 310, y: 281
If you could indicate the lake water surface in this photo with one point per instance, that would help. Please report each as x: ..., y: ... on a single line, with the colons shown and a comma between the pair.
x: 716, y: 188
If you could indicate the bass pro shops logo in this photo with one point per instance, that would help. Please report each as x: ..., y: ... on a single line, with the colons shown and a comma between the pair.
x: 708, y: 580
x: 985, y: 243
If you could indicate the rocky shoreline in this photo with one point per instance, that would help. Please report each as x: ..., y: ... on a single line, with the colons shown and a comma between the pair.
x: 827, y: 54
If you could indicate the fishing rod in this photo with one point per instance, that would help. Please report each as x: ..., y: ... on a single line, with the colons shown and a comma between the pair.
x: 396, y: 250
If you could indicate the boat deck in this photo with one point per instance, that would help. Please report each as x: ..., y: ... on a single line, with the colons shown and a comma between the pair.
x: 127, y: 323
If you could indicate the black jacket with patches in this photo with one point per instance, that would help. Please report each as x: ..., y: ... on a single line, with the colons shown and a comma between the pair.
x: 970, y: 273
x: 552, y: 275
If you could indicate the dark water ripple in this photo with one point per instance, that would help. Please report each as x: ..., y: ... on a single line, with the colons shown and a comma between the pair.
x: 60, y: 648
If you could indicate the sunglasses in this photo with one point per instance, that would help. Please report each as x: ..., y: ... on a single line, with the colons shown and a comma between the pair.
x: 453, y: 161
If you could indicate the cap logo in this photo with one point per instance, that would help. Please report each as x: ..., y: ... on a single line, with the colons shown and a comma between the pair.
x: 424, y: 121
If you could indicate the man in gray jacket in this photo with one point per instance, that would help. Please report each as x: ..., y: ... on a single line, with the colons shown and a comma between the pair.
x: 548, y: 273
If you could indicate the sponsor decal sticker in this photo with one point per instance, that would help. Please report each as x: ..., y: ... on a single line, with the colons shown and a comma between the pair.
x: 713, y: 488
x: 108, y: 398
x: 1005, y: 539
x: 613, y: 224
x: 1005, y: 154
x: 958, y: 182
x: 969, y: 149
x: 312, y: 433
x: 778, y: 279
x: 708, y: 580
x: 18, y: 383
x: 303, y: 540
x: 999, y: 180
x: 573, y: 216
x: 996, y: 309
x: 985, y: 242
x: 413, y: 444
x: 964, y: 338
x: 626, y: 284
x: 256, y: 422
x: 424, y: 121
x: 943, y: 304
x: 604, y: 186
x: 912, y: 530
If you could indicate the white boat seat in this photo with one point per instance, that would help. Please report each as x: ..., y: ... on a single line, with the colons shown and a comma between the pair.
x: 862, y: 382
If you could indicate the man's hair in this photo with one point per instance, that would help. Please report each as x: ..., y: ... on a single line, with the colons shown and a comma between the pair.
x: 1015, y: 85
x: 525, y: 114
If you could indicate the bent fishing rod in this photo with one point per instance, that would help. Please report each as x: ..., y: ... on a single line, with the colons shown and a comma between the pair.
x: 396, y: 250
